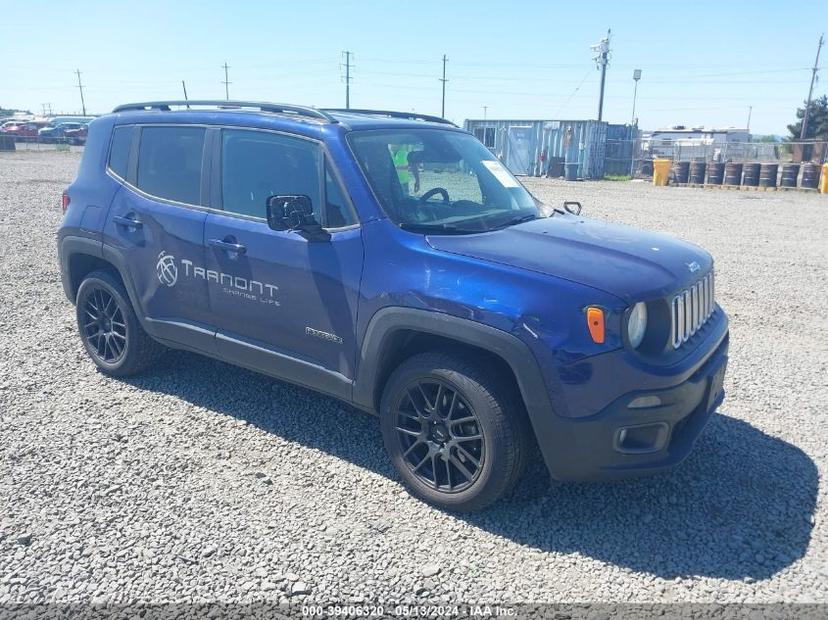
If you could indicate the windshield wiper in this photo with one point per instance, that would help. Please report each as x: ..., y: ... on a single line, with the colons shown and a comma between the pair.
x: 516, y: 220
x: 439, y: 229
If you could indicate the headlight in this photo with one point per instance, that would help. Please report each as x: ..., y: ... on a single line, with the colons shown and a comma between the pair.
x: 637, y: 324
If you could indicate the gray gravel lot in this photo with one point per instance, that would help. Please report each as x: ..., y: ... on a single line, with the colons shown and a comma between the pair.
x: 204, y: 482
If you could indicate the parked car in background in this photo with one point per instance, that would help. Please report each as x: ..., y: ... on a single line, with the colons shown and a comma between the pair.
x: 23, y: 130
x: 71, y: 132
x: 29, y: 130
x: 76, y: 135
x: 11, y: 127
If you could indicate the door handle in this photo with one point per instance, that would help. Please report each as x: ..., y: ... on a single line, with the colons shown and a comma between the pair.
x: 127, y: 221
x: 235, y: 248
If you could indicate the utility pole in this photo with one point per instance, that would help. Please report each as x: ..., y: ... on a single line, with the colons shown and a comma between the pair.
x: 444, y: 80
x: 811, y: 90
x: 636, y: 77
x: 226, y: 82
x: 80, y: 88
x: 347, y: 64
x: 750, y: 113
x: 184, y: 86
x: 485, y: 111
x: 602, y: 52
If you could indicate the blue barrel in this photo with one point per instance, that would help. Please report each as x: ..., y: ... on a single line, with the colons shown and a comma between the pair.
x: 715, y: 173
x: 697, y: 169
x: 571, y: 170
x: 810, y: 176
x: 681, y: 171
x: 751, y: 178
x: 790, y: 172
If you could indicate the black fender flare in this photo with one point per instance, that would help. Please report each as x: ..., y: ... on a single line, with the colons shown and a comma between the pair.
x: 508, y: 347
x: 72, y: 245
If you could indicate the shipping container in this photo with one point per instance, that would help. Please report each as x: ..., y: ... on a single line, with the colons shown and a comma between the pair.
x: 527, y: 147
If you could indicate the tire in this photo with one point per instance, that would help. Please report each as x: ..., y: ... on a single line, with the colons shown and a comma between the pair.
x: 422, y: 412
x: 110, y: 330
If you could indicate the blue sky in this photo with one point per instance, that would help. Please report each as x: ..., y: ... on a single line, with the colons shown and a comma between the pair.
x: 703, y: 62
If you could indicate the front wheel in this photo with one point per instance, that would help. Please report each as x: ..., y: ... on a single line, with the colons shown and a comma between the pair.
x: 455, y: 432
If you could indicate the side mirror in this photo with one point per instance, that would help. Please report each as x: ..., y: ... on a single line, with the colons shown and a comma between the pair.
x: 289, y: 212
x: 295, y: 212
x: 572, y: 207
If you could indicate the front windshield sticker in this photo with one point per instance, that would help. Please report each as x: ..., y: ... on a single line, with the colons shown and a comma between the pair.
x: 500, y: 173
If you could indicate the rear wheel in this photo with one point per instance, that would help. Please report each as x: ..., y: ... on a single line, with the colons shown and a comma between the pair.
x: 455, y: 432
x: 109, y: 328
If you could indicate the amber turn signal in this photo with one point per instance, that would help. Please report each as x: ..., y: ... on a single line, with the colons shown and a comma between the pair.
x: 595, y: 323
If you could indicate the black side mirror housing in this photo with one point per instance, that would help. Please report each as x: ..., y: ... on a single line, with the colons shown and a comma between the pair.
x: 572, y: 207
x: 295, y: 213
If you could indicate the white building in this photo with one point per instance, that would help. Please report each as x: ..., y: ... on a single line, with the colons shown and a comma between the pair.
x: 709, y: 143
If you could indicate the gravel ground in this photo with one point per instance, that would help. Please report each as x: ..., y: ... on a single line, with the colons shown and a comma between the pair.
x: 204, y: 482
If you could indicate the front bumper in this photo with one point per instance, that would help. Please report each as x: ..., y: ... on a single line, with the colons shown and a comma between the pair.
x: 623, y: 441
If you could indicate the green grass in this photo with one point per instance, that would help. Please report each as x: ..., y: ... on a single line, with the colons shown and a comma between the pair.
x: 616, y: 177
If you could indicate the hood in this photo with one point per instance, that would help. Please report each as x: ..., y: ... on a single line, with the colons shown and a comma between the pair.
x: 626, y: 262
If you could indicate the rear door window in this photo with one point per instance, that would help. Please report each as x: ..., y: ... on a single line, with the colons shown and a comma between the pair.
x: 119, y: 150
x: 169, y: 163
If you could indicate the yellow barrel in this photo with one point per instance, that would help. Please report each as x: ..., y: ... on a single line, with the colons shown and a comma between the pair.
x: 823, y: 182
x: 661, y: 171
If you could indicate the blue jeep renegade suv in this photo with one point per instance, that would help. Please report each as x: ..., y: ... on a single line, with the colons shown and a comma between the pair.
x: 391, y: 261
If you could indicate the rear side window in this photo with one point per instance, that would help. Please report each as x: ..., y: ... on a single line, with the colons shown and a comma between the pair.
x: 256, y: 165
x: 119, y: 151
x: 169, y: 163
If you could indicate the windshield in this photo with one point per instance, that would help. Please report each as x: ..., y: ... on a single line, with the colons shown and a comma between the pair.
x: 439, y: 181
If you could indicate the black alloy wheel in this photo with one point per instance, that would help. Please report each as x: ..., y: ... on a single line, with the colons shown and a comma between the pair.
x: 104, y: 329
x: 109, y: 328
x: 440, y: 436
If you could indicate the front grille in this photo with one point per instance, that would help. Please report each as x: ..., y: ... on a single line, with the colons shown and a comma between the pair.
x: 690, y: 309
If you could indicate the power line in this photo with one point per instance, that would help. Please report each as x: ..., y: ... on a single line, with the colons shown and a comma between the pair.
x: 184, y: 86
x: 574, y: 92
x: 347, y: 77
x: 80, y: 88
x: 444, y: 80
x: 811, y: 91
x: 226, y: 82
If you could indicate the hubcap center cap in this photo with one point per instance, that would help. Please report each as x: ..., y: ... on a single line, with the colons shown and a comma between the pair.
x: 439, y: 433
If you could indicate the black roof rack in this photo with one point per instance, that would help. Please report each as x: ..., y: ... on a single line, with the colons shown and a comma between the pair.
x: 277, y: 108
x: 412, y: 116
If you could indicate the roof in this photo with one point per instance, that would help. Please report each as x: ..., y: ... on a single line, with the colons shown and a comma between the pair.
x: 303, y: 120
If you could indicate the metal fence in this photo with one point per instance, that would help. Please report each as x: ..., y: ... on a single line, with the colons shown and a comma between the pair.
x: 27, y: 143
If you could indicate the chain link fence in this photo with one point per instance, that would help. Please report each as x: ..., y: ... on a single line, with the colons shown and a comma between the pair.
x: 53, y: 144
x: 634, y: 158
